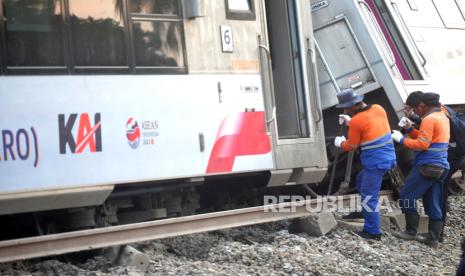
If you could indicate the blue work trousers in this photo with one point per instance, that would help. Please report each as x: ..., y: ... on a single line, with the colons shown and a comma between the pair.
x: 368, y: 185
x: 417, y: 186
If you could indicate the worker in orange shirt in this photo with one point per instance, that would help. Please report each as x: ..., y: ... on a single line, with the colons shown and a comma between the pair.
x: 368, y: 130
x: 455, y: 159
x: 430, y: 168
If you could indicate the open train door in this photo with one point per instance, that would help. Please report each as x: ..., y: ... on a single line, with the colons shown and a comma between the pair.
x: 294, y: 116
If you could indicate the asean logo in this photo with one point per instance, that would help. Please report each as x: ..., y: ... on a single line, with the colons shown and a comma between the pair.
x: 133, y: 133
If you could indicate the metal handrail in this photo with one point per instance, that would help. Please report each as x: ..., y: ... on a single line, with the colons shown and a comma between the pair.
x: 326, y: 65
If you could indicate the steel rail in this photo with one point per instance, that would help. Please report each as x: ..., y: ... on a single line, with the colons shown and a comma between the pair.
x: 55, y: 244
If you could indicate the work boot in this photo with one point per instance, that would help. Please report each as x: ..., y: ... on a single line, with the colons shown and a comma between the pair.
x: 368, y: 236
x: 434, y: 232
x: 411, y: 226
x: 441, y: 236
x: 422, y: 237
x: 353, y: 215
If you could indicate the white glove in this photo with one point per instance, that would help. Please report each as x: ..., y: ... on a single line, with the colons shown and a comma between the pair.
x: 338, y: 141
x: 405, y: 123
x: 344, y: 119
x: 396, y: 136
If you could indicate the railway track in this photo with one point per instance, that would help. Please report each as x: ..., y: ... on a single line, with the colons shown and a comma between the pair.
x: 55, y: 244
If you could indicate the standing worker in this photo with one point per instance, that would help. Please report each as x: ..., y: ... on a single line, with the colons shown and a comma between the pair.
x: 455, y: 159
x: 368, y: 129
x: 429, y: 170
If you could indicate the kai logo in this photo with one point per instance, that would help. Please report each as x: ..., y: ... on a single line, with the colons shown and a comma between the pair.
x: 87, y: 136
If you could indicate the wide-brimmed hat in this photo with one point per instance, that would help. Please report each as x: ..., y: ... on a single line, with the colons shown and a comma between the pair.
x: 348, y: 98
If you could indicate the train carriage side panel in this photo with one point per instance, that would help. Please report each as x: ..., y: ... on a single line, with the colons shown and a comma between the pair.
x: 99, y: 133
x: 74, y: 128
x: 63, y: 132
x: 438, y: 30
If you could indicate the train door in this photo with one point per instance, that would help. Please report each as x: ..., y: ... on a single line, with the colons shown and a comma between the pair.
x: 294, y: 107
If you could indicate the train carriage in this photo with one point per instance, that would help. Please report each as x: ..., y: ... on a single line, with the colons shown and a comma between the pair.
x: 394, y: 46
x: 386, y: 49
x: 99, y: 94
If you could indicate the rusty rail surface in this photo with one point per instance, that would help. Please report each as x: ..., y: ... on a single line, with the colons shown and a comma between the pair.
x: 55, y: 244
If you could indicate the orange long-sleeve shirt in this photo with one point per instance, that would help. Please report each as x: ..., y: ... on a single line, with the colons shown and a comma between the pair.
x: 434, y: 128
x: 367, y: 126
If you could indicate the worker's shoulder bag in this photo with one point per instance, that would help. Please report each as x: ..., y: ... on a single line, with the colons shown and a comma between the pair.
x: 457, y: 130
x: 430, y: 171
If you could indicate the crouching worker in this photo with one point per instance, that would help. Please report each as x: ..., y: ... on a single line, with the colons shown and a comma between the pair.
x: 368, y: 130
x: 429, y: 170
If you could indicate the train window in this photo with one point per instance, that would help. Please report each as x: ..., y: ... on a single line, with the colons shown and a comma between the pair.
x: 97, y: 33
x: 33, y: 33
x: 158, y: 44
x: 166, y: 7
x: 450, y: 13
x: 240, y: 9
x: 239, y: 5
x: 91, y: 36
x: 157, y: 34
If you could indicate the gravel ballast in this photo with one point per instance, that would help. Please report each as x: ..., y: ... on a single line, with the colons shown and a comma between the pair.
x: 271, y: 250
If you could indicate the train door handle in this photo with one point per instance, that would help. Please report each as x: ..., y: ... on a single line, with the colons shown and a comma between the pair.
x: 273, y: 116
x: 262, y: 47
x: 311, y: 57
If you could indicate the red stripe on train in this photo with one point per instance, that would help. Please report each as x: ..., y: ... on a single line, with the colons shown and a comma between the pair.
x: 239, y: 134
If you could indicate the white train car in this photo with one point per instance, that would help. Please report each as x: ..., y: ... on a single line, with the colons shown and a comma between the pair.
x: 147, y: 94
x: 436, y: 30
x: 386, y: 49
x: 391, y: 46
